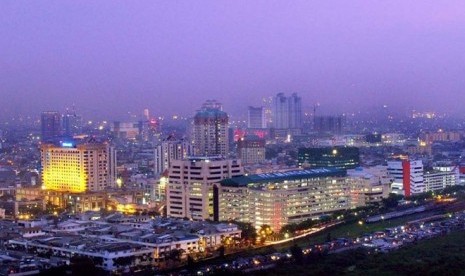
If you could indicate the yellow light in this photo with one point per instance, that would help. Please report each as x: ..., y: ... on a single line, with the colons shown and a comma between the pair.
x: 334, y: 151
x: 62, y: 170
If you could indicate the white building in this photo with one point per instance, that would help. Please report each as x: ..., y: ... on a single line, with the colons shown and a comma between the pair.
x: 369, y: 185
x: 407, y: 177
x: 190, y: 185
x: 441, y: 177
x: 168, y: 150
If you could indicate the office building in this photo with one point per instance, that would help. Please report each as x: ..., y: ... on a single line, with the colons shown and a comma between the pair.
x: 256, y: 117
x: 251, y: 149
x: 295, y: 111
x: 441, y: 177
x: 287, y: 112
x: 126, y: 130
x: 329, y: 157
x: 430, y: 137
x: 171, y: 149
x: 190, y: 185
x: 72, y: 124
x: 211, y: 131
x: 407, y: 177
x: 368, y: 185
x: 331, y: 124
x: 281, y: 198
x: 50, y: 126
x: 89, y: 166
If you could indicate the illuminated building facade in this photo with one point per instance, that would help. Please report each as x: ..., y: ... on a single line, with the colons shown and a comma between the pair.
x: 190, y: 185
x: 78, y: 168
x: 281, y: 198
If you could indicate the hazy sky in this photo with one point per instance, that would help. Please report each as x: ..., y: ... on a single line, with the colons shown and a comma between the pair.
x: 110, y: 57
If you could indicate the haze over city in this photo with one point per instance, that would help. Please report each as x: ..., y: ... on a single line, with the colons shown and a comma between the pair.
x: 111, y: 57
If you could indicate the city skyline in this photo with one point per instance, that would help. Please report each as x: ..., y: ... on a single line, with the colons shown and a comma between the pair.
x: 171, y: 57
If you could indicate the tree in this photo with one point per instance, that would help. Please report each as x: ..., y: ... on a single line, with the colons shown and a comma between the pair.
x: 190, y: 262
x: 297, y: 253
x: 84, y: 266
x: 248, y: 231
x: 175, y: 254
x: 328, y: 237
x: 221, y: 251
x: 392, y: 201
x: 265, y: 232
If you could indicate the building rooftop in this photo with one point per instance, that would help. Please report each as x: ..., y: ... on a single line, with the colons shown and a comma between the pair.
x: 210, y: 113
x: 281, y: 176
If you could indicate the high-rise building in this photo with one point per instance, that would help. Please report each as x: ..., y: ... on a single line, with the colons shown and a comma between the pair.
x: 268, y: 107
x: 256, y: 117
x: 169, y: 150
x: 190, y: 185
x: 280, y: 112
x: 72, y: 124
x: 407, y: 177
x: 211, y: 131
x: 251, y: 149
x: 89, y: 166
x: 287, y: 112
x: 295, y: 111
x: 332, y: 124
x: 50, y: 125
x: 329, y: 157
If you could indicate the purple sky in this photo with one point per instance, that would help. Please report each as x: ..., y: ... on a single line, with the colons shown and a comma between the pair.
x: 110, y: 57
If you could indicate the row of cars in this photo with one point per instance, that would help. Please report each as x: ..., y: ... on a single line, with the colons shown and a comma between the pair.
x: 381, y: 241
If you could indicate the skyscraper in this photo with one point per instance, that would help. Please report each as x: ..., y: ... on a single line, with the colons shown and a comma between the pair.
x: 72, y: 124
x: 211, y: 131
x: 287, y: 112
x: 50, y: 125
x: 169, y: 150
x: 256, y: 117
x: 280, y: 112
x: 68, y: 167
x: 332, y: 124
x: 295, y: 111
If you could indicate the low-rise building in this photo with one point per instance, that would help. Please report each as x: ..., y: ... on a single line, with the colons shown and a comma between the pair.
x: 277, y: 199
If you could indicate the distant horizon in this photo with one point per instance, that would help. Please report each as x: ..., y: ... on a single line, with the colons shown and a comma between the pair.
x: 107, y: 58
